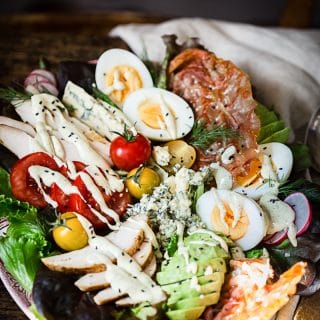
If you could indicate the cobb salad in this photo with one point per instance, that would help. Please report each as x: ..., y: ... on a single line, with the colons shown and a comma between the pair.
x: 142, y: 190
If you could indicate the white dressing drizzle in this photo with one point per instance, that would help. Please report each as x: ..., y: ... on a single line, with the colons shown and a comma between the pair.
x: 281, y: 216
x: 94, y: 190
x: 169, y: 120
x: 221, y: 207
x: 222, y: 177
x: 194, y: 284
x: 228, y: 155
x: 47, y: 176
x: 236, y: 205
x: 148, y: 232
x: 117, y: 84
x: 126, y: 276
x: 214, y: 236
x: 99, y: 178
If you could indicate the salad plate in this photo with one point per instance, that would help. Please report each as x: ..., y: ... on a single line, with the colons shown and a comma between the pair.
x: 148, y: 108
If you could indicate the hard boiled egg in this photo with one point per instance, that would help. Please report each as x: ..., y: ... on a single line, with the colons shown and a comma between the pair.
x: 273, y: 165
x: 233, y: 215
x: 159, y: 114
x: 120, y: 72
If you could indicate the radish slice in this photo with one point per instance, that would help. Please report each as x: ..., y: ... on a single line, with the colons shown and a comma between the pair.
x: 45, y: 73
x: 302, y: 208
x: 34, y: 79
x: 277, y: 238
x: 46, y: 86
x: 32, y: 89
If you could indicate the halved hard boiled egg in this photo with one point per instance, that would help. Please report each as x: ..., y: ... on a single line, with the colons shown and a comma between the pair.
x: 119, y: 73
x: 233, y: 215
x: 159, y: 114
x: 273, y: 165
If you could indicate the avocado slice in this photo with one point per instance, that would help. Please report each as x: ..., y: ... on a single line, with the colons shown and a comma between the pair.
x: 186, y: 314
x: 172, y: 275
x: 202, y: 300
x: 184, y: 291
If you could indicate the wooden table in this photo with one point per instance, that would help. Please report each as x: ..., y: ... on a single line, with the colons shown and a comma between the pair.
x: 25, y: 38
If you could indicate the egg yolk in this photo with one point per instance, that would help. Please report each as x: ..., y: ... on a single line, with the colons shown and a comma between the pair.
x: 226, y: 226
x: 150, y: 114
x: 120, y: 81
x: 251, y: 175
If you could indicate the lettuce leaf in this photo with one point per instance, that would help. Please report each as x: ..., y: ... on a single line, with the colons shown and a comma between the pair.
x: 24, y: 243
x: 5, y: 187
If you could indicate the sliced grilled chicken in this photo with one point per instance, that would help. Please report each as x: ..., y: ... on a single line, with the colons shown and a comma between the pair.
x: 127, y: 238
x: 107, y: 295
x: 144, y: 253
x: 79, y: 261
x: 151, y: 267
x: 18, y: 141
x: 18, y: 125
x: 126, y: 302
x: 92, y: 281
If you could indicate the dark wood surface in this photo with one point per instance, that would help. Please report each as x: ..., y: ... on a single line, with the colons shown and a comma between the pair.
x: 25, y: 38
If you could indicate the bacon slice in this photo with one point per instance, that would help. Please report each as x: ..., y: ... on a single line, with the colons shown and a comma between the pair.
x: 220, y: 93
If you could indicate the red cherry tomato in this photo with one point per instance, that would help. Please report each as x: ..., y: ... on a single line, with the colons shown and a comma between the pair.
x: 60, y: 197
x: 117, y: 201
x: 128, y: 154
x: 24, y: 188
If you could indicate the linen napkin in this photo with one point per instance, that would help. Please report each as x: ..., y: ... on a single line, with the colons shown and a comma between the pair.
x: 283, y: 64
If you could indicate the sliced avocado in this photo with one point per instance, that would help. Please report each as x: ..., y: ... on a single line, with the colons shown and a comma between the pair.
x: 281, y: 136
x: 270, y: 129
x: 202, y: 300
x: 184, y: 291
x: 201, y: 251
x: 172, y: 275
x: 186, y: 314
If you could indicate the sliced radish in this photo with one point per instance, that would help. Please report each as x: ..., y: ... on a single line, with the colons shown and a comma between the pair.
x: 31, y: 89
x: 47, y: 87
x: 276, y: 238
x: 93, y: 61
x: 45, y: 73
x: 34, y: 79
x: 302, y: 208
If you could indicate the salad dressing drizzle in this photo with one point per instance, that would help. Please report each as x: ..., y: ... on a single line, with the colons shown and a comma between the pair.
x: 127, y: 276
x: 215, y: 237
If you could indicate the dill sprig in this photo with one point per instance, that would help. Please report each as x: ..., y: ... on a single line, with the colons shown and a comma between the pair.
x: 202, y: 137
x: 309, y: 189
x: 10, y: 95
x: 104, y: 97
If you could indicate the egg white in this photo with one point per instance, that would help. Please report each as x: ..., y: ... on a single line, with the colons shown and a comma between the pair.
x: 183, y: 114
x: 258, y: 221
x: 114, y: 57
x: 282, y: 161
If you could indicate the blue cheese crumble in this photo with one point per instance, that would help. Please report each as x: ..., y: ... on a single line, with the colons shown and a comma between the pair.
x: 171, y: 202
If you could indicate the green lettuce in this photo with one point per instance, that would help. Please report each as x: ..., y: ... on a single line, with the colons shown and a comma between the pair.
x: 5, y: 187
x: 24, y: 243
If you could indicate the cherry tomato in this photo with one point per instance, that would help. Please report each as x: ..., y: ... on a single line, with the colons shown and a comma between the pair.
x: 141, y: 181
x: 128, y: 154
x: 69, y: 234
x: 24, y: 188
x: 117, y: 201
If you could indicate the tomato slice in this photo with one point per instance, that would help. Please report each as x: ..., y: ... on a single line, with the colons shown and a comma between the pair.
x: 117, y: 201
x: 60, y: 197
x: 24, y: 188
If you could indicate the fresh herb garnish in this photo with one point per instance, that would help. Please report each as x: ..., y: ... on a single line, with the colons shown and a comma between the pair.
x: 10, y: 95
x: 151, y: 66
x: 254, y: 253
x: 104, y: 97
x: 301, y: 156
x: 202, y: 137
x: 309, y: 189
x: 172, y: 245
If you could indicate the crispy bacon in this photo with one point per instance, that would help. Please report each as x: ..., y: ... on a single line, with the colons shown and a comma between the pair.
x: 220, y: 93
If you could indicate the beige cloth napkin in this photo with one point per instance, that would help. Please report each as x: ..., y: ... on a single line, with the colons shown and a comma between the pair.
x: 283, y: 64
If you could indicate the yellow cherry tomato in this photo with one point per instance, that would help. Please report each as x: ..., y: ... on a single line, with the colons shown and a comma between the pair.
x: 141, y: 181
x: 69, y: 235
x: 181, y: 153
